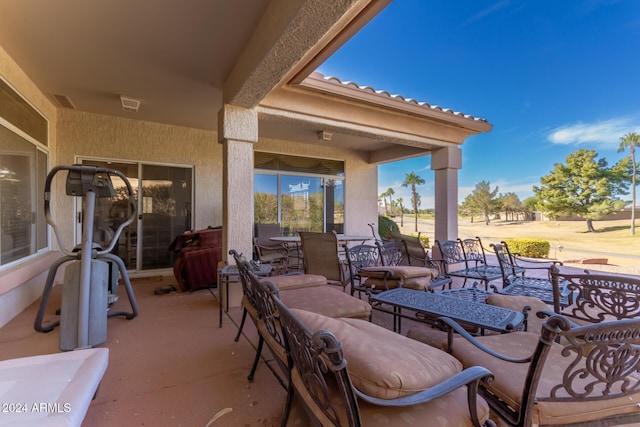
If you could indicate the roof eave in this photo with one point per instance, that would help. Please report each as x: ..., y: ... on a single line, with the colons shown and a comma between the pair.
x: 317, y: 82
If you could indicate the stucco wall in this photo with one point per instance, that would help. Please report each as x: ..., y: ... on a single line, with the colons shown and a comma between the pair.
x: 361, y: 180
x: 94, y: 135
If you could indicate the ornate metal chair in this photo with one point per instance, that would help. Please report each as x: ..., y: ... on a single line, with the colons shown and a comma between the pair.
x: 532, y: 279
x: 359, y: 257
x: 569, y: 375
x: 324, y: 300
x: 470, y: 255
x: 594, y: 298
x: 326, y: 382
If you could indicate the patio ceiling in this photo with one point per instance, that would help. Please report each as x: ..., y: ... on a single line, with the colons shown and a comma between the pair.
x: 182, y: 60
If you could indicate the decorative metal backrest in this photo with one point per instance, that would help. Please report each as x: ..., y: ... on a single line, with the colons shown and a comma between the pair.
x: 316, y: 358
x: 390, y: 253
x: 267, y: 311
x: 504, y: 260
x: 451, y: 251
x: 473, y: 250
x: 243, y: 272
x: 360, y: 256
x: 600, y: 361
x: 597, y: 297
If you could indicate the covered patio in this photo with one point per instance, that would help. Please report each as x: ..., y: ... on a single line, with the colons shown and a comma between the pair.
x: 216, y: 82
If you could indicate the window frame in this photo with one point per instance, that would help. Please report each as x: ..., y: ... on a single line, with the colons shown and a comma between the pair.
x: 41, y: 154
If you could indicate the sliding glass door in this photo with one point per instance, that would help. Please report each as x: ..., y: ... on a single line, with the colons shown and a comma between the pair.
x: 163, y: 212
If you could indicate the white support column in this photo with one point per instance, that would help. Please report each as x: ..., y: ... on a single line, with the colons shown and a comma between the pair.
x: 237, y: 131
x: 446, y: 162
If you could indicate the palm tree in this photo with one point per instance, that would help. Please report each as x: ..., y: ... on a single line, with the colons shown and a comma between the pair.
x: 399, y: 202
x: 413, y: 180
x: 383, y: 196
x: 390, y: 193
x: 631, y: 140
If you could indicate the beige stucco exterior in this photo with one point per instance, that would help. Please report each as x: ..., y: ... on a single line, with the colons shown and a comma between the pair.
x: 272, y: 104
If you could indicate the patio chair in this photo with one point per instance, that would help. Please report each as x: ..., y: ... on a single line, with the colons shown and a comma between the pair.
x: 374, y: 231
x: 568, y: 375
x: 282, y: 282
x: 268, y: 251
x: 375, y: 272
x: 470, y: 255
x: 359, y: 257
x: 416, y: 255
x: 595, y: 297
x: 340, y: 371
x: 325, y: 300
x: 414, y: 251
x: 527, y: 277
x: 320, y: 256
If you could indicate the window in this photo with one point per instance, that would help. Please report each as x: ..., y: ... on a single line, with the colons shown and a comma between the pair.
x: 23, y: 170
x: 300, y: 193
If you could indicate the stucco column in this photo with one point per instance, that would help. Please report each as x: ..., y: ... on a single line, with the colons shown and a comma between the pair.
x: 446, y: 162
x: 237, y: 131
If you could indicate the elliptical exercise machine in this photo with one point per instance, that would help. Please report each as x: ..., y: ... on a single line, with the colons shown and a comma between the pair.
x: 85, y: 293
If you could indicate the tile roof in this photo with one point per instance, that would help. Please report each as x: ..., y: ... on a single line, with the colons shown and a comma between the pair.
x: 400, y: 98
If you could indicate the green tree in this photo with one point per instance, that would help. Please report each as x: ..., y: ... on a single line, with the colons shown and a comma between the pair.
x: 631, y: 141
x: 530, y: 205
x: 390, y: 193
x: 384, y: 196
x: 399, y: 201
x: 265, y: 209
x: 585, y: 186
x: 482, y: 201
x: 511, y: 204
x: 413, y: 180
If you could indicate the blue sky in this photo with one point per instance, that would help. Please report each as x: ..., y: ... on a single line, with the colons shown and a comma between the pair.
x: 551, y: 76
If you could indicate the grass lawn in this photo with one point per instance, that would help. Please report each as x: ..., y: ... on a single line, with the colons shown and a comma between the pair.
x: 612, y: 239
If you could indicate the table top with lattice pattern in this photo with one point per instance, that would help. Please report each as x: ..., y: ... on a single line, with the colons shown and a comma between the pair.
x: 429, y: 306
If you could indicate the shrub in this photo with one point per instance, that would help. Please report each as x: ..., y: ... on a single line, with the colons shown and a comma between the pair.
x: 386, y: 226
x: 424, y: 239
x: 532, y: 248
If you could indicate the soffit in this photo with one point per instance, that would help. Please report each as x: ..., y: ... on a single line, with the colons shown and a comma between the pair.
x: 383, y: 127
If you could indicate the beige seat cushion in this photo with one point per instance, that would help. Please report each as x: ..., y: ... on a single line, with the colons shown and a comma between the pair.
x: 448, y: 410
x: 326, y: 300
x: 429, y: 335
x: 296, y: 281
x: 410, y: 277
x: 382, y: 363
x: 518, y: 303
x: 510, y: 377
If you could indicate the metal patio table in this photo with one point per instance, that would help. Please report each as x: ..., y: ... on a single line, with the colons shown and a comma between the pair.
x: 427, y: 307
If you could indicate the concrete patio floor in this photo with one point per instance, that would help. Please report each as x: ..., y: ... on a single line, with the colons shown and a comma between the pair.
x: 172, y: 365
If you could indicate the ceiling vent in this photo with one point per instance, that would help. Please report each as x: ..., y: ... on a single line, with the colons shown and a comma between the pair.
x: 130, y: 104
x: 64, y: 101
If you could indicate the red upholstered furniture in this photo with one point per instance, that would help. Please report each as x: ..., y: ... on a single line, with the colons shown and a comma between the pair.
x: 196, y: 267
